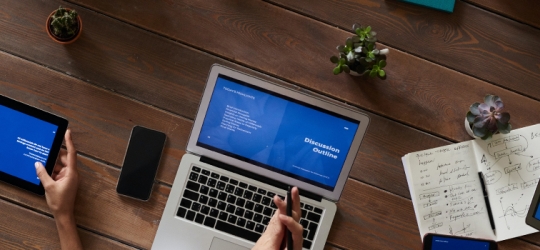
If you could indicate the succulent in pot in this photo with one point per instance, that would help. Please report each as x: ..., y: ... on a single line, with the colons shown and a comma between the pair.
x: 64, y: 25
x: 486, y: 119
x: 360, y: 55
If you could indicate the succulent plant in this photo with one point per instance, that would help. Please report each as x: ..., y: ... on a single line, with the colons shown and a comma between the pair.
x: 64, y: 23
x: 360, y: 54
x: 487, y: 118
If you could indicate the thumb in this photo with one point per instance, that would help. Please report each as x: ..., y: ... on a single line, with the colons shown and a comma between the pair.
x: 42, y: 174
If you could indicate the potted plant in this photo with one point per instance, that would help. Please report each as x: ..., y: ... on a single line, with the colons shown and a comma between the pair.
x: 64, y: 25
x: 485, y: 119
x: 360, y: 55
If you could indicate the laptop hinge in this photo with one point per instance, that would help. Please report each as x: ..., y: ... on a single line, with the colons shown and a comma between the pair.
x: 257, y: 177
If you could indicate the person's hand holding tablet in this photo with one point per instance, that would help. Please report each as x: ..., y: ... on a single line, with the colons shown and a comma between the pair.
x: 28, y: 135
x: 60, y: 192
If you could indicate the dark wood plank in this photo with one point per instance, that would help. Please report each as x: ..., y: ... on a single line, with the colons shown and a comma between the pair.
x: 99, y: 208
x: 261, y: 35
x: 378, y: 162
x: 469, y: 40
x: 105, y: 119
x: 101, y: 119
x: 330, y: 247
x: 25, y: 229
x: 526, y: 11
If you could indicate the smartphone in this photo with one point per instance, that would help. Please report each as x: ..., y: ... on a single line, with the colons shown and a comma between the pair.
x: 141, y: 163
x: 447, y: 242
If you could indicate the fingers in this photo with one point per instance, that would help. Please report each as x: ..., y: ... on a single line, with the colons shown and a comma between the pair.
x: 272, y: 236
x: 43, y: 175
x: 295, y: 193
x: 295, y: 228
x: 282, y: 205
x: 71, y: 152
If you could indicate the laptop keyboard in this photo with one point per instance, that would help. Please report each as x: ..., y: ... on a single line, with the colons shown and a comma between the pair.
x: 243, y: 210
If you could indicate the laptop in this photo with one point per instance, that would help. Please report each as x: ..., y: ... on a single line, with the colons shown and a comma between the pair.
x: 251, y: 139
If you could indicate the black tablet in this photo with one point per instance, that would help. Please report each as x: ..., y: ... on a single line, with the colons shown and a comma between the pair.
x: 533, y: 216
x: 27, y: 135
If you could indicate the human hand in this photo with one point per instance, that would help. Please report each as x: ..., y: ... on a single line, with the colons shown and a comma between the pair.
x: 61, y: 187
x: 274, y: 237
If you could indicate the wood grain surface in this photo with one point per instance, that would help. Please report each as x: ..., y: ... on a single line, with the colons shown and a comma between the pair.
x: 25, y: 229
x: 469, y: 40
x: 264, y: 33
x: 146, y: 62
x: 526, y: 11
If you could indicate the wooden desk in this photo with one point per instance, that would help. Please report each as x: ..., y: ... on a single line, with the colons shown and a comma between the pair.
x: 145, y: 63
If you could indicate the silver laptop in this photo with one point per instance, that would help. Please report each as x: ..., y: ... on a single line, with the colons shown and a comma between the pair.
x: 251, y: 140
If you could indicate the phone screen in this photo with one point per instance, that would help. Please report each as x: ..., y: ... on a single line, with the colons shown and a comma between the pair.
x: 140, y: 163
x: 441, y: 242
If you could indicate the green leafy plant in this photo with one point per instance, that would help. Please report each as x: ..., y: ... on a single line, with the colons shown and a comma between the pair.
x: 64, y: 23
x: 487, y: 118
x: 360, y: 54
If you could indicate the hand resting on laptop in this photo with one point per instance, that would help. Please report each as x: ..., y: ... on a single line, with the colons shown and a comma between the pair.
x: 60, y: 193
x: 274, y: 237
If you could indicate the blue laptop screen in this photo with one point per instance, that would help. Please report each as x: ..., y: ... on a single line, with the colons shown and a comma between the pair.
x: 24, y: 140
x: 276, y: 132
x: 447, y: 243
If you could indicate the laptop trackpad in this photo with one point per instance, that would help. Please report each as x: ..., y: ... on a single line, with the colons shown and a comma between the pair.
x: 220, y: 244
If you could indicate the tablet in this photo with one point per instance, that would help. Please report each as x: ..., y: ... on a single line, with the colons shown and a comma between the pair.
x: 533, y: 216
x: 28, y: 135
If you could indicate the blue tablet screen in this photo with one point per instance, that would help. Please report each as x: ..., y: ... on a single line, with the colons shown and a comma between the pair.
x: 277, y: 133
x: 24, y: 140
x: 537, y: 214
x: 447, y: 243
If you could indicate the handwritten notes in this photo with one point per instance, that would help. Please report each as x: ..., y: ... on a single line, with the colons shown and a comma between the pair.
x: 511, y: 167
x: 447, y: 194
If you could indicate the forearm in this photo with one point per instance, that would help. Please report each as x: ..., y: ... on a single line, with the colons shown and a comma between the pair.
x: 67, y: 231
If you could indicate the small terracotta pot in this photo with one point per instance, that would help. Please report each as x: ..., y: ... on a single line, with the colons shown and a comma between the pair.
x: 63, y: 40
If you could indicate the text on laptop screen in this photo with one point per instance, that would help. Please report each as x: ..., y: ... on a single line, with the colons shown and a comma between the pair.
x: 24, y: 140
x: 275, y: 132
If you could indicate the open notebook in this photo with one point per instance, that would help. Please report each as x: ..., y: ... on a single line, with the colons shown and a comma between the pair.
x: 447, y: 190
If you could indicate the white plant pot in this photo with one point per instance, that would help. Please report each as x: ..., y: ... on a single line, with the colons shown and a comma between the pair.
x: 469, y: 129
x: 354, y: 73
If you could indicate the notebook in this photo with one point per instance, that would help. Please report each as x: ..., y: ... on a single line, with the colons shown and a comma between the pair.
x: 444, y: 5
x: 480, y: 189
x: 251, y: 139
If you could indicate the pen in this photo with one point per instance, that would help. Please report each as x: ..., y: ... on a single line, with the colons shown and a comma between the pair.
x: 486, y: 199
x: 289, y: 213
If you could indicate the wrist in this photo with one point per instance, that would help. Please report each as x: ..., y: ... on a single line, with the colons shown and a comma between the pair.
x: 64, y: 219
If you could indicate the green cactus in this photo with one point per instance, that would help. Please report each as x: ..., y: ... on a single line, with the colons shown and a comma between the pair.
x: 64, y: 23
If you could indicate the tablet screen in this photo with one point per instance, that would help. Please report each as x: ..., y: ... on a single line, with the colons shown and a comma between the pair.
x: 24, y: 140
x: 447, y: 243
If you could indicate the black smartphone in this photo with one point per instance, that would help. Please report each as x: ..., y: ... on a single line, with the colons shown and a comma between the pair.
x: 141, y: 163
x: 447, y: 242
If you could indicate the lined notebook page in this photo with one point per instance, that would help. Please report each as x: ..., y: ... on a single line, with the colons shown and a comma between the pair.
x: 446, y: 191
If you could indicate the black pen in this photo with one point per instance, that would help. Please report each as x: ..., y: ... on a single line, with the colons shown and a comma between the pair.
x: 486, y: 199
x: 289, y: 213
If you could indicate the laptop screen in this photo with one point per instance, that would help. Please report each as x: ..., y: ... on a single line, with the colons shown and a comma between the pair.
x: 276, y: 132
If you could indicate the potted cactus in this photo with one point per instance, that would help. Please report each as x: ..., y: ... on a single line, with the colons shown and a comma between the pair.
x: 64, y: 25
x: 359, y: 55
x: 485, y: 119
